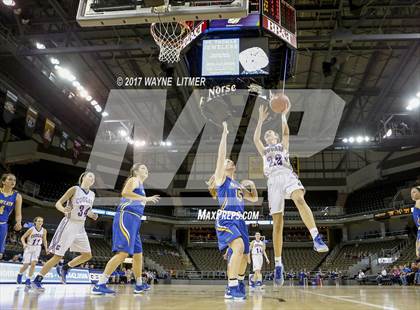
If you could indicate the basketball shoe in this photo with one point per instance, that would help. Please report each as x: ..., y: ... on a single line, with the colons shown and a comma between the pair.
x: 319, y: 244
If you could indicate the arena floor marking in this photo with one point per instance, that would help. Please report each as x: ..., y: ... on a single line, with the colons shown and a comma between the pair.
x: 341, y: 298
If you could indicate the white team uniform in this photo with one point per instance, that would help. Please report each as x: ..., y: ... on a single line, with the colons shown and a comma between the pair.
x: 257, y: 255
x: 71, y: 233
x: 33, y: 248
x: 282, y: 181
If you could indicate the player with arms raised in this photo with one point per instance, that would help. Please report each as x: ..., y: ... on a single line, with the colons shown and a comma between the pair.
x: 415, y: 195
x: 71, y: 233
x: 282, y: 184
x: 231, y: 229
x: 9, y: 200
x: 32, y: 240
x: 257, y: 252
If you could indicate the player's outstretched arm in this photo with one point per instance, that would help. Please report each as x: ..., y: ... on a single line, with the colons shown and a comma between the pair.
x: 285, y: 130
x: 59, y: 205
x: 220, y: 165
x: 262, y: 116
x: 128, y: 192
x: 18, y: 213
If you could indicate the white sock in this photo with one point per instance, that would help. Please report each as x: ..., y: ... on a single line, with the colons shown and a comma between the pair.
x: 314, y: 232
x: 139, y: 281
x: 241, y: 278
x: 103, y: 279
x: 233, y: 283
x: 277, y: 261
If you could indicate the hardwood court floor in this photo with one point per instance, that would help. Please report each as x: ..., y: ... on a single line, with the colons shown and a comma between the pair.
x: 203, y: 297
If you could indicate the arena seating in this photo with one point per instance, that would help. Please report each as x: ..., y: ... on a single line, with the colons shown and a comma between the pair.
x: 210, y: 259
x: 350, y: 254
x: 165, y: 255
x: 408, y: 255
x: 369, y: 199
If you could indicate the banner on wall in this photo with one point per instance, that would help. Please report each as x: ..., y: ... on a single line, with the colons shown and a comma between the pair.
x: 30, y: 123
x: 9, y: 107
x: 8, y: 272
x: 48, y: 132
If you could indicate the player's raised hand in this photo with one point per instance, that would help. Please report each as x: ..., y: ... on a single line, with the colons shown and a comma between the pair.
x: 225, y: 128
x: 263, y: 113
x: 153, y: 199
x: 18, y: 226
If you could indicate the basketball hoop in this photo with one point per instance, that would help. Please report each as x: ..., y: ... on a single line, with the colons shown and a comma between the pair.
x: 169, y: 36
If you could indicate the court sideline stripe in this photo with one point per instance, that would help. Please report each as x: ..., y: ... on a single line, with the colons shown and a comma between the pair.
x: 352, y: 300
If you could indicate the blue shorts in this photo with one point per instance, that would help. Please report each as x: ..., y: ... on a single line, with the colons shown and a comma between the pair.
x: 126, y: 233
x: 3, y: 236
x: 418, y: 235
x: 229, y: 230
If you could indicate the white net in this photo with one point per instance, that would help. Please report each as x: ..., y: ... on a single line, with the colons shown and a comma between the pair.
x: 169, y: 36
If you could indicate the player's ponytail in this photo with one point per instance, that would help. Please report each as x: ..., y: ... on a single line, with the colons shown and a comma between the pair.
x: 211, y: 186
x: 4, y: 178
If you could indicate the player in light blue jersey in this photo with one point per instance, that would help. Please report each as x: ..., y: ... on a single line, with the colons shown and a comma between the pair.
x: 126, y: 230
x: 415, y: 195
x: 9, y: 200
x: 230, y: 227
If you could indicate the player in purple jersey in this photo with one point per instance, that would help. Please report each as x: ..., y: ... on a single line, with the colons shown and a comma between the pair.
x: 415, y: 195
x: 9, y: 200
x: 282, y: 183
x: 231, y: 229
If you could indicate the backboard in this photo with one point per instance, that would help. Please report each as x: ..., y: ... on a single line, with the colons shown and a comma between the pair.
x: 93, y: 13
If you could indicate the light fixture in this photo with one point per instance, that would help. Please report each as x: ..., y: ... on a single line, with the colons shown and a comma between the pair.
x: 54, y: 61
x: 414, y: 103
x: 359, y: 139
x: 93, y: 102
x: 351, y: 139
x: 139, y: 143
x: 9, y: 2
x: 105, y: 114
x: 168, y: 143
x: 76, y: 84
x: 98, y: 108
x: 83, y: 93
x: 345, y: 140
x: 89, y: 98
x: 129, y: 140
x: 65, y: 73
x: 40, y: 46
x: 389, y: 133
x: 123, y: 133
x: 418, y: 94
x: 367, y: 139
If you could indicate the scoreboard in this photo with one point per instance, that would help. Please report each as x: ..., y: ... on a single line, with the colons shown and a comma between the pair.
x: 279, y: 17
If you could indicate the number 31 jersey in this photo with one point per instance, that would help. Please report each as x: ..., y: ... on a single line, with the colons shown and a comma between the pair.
x: 276, y: 160
x: 81, y: 203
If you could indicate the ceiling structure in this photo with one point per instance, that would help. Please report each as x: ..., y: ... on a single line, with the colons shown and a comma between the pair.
x: 375, y: 45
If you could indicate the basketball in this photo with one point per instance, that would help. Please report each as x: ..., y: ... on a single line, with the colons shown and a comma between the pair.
x: 279, y: 103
